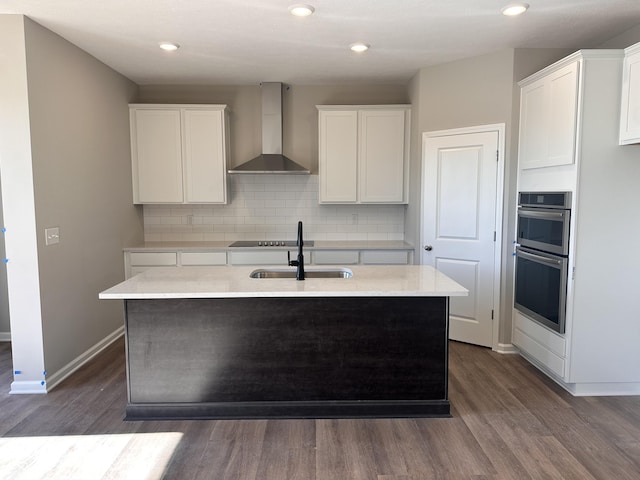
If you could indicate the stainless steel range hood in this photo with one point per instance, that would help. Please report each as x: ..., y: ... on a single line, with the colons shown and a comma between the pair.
x: 271, y: 160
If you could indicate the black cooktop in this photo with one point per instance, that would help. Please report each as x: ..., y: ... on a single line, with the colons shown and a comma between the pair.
x: 269, y: 243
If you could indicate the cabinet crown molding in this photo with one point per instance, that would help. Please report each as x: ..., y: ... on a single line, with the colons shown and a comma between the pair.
x: 177, y: 106
x: 576, y: 56
x: 364, y: 107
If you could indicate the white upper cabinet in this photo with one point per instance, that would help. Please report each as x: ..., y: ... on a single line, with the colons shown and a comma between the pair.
x: 630, y: 106
x: 179, y: 153
x: 548, y: 118
x: 363, y: 153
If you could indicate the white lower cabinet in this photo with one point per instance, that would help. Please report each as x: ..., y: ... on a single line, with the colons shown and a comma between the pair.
x: 540, y: 344
x: 273, y: 257
x: 385, y: 257
x: 138, y: 262
x: 335, y: 257
x: 203, y: 258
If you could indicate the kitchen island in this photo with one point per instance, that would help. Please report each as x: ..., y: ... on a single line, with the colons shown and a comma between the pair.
x: 211, y: 342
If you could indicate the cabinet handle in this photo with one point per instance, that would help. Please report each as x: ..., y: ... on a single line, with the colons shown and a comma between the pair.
x: 428, y: 248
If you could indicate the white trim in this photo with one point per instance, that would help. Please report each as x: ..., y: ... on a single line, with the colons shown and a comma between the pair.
x: 596, y: 389
x: 5, y: 336
x: 602, y: 389
x: 497, y: 274
x: 57, y: 377
x: 506, y: 349
x: 28, y: 387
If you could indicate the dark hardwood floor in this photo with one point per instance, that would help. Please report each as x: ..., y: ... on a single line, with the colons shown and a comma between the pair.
x: 509, y: 422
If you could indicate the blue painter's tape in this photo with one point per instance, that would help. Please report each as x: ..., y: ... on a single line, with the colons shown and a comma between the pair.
x: 42, y: 383
x: 4, y: 230
x: 44, y: 373
x: 5, y: 260
x: 17, y: 372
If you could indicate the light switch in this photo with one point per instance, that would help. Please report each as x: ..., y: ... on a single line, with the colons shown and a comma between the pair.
x: 52, y: 235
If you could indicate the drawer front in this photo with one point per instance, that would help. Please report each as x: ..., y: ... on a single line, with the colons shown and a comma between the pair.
x: 203, y: 258
x: 538, y: 352
x: 375, y: 257
x: 153, y: 258
x: 545, y: 337
x: 349, y: 257
x: 278, y: 257
x: 136, y: 270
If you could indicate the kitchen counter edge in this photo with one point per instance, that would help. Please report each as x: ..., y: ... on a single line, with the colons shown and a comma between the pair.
x: 234, y: 282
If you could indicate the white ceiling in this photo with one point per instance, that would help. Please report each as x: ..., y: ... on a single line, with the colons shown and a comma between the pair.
x: 229, y: 42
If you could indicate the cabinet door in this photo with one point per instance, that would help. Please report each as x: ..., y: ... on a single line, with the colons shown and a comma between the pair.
x: 205, y: 156
x: 156, y: 156
x: 338, y: 156
x: 381, y: 156
x: 630, y: 108
x: 563, y: 115
x: 533, y: 124
x: 548, y: 119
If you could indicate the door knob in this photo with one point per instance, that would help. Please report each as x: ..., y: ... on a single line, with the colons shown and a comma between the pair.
x: 428, y: 248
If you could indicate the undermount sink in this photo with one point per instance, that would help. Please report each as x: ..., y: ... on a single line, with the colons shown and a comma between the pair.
x: 315, y: 273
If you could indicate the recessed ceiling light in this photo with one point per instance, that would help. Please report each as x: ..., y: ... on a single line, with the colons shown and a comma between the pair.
x: 169, y: 47
x: 514, y: 9
x: 301, y: 10
x: 359, y: 47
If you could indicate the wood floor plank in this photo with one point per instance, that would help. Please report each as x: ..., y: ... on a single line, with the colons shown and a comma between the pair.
x: 600, y: 457
x: 343, y: 450
x: 454, y: 448
x: 508, y: 422
x: 288, y: 451
x: 233, y: 451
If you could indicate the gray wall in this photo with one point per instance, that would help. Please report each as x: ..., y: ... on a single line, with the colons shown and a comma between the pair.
x: 80, y: 160
x: 624, y: 40
x: 300, y: 116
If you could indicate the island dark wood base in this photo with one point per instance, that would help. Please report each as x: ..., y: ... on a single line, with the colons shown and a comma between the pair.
x: 287, y: 357
x: 242, y: 410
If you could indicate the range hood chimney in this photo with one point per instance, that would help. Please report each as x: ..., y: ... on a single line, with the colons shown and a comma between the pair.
x: 271, y: 160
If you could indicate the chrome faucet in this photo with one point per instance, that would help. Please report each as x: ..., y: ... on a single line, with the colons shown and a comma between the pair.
x: 300, y: 261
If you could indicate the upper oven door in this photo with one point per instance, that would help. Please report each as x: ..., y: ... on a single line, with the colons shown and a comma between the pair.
x: 544, y: 229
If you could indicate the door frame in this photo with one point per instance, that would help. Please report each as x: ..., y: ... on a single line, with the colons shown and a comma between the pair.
x: 497, y: 267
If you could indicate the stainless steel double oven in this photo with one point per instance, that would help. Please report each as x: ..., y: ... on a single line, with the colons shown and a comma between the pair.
x: 542, y: 257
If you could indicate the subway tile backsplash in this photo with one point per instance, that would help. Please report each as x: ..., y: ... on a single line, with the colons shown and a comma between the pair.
x: 268, y: 207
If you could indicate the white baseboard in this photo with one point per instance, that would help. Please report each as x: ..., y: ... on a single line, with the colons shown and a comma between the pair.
x: 506, y: 348
x: 54, y: 379
x: 5, y: 336
x: 21, y: 387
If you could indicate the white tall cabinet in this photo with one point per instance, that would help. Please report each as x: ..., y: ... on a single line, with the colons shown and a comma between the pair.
x: 179, y: 153
x: 599, y: 354
x: 363, y: 153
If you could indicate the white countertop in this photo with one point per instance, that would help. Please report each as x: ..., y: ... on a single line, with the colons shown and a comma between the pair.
x: 318, y: 245
x: 234, y: 282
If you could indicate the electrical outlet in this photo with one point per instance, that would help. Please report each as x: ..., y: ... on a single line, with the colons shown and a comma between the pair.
x: 52, y: 235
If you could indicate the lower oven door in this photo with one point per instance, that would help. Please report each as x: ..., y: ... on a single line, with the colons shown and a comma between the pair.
x: 541, y: 287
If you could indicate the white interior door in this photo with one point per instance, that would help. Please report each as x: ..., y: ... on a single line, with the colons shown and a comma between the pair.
x: 460, y: 203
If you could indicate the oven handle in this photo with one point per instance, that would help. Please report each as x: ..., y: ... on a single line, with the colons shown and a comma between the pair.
x: 538, y: 258
x: 546, y: 214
